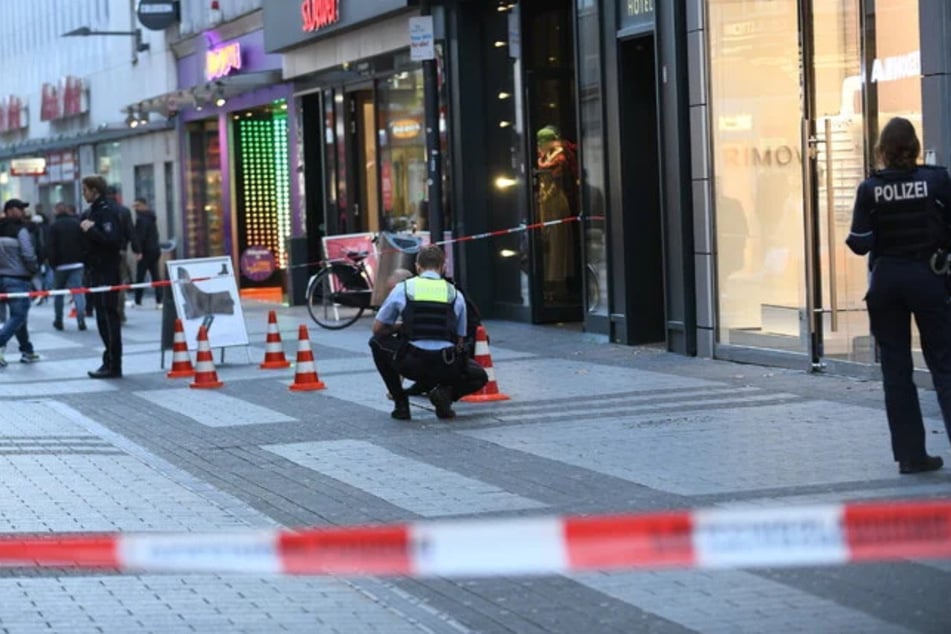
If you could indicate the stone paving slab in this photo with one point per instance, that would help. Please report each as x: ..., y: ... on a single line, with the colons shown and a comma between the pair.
x: 677, y: 455
x: 410, y: 484
x: 213, y: 408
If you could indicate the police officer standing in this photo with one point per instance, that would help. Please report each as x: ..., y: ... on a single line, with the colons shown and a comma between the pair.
x: 428, y: 344
x: 104, y: 235
x: 902, y: 217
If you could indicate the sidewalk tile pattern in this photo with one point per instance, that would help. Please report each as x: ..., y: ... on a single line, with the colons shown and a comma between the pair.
x: 410, y: 484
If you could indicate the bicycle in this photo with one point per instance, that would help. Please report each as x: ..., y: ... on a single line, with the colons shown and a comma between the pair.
x: 341, y: 291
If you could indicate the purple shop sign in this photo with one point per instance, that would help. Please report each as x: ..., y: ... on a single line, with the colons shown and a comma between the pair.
x: 257, y: 263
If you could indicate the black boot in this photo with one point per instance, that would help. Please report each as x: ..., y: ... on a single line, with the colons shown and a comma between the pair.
x: 401, y: 409
x: 105, y: 373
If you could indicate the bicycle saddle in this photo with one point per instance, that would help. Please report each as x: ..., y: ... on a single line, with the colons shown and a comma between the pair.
x: 357, y: 256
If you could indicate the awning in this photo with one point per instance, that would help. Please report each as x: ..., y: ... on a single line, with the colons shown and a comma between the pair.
x: 102, y: 134
x: 204, y: 94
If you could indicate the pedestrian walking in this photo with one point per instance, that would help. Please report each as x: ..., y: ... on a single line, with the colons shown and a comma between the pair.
x: 429, y: 345
x: 129, y: 240
x: 902, y: 218
x: 146, y: 232
x: 67, y: 252
x: 18, y: 264
x: 104, y: 238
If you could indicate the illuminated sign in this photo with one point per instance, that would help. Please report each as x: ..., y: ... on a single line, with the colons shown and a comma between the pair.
x: 405, y: 128
x: 316, y: 14
x: 223, y: 60
x: 34, y: 166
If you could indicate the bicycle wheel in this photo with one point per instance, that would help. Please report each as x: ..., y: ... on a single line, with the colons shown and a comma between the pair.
x: 324, y: 296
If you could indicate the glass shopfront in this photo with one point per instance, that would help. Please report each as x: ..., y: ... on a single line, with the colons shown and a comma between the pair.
x: 793, y: 120
x: 204, y: 205
x: 374, y: 150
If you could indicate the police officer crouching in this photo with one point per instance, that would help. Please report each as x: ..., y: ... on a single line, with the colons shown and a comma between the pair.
x: 902, y: 218
x: 428, y: 344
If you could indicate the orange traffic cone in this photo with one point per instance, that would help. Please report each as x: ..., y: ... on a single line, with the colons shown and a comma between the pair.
x: 181, y: 362
x: 306, y: 376
x: 205, y: 375
x: 273, y: 350
x: 489, y: 391
x: 72, y: 312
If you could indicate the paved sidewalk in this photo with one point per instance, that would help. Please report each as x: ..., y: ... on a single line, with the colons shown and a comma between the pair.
x: 591, y: 427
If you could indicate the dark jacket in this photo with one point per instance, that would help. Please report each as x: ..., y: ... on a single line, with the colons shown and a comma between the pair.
x: 146, y: 231
x: 128, y: 228
x: 105, y: 238
x: 902, y: 213
x: 67, y: 243
x: 17, y: 256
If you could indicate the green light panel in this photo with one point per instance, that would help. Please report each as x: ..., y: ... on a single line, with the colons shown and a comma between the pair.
x: 282, y: 180
x: 266, y: 183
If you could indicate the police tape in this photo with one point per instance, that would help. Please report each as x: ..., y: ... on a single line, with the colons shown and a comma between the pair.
x: 468, y: 238
x: 84, y: 290
x: 704, y: 539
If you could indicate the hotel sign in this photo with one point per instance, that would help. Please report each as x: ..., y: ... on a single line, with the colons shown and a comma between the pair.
x: 636, y: 14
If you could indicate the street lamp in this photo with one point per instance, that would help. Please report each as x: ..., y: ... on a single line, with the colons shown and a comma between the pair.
x: 85, y: 31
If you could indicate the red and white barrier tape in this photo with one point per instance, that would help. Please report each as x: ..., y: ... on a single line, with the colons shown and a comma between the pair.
x: 83, y: 290
x: 478, y: 236
x: 715, y: 538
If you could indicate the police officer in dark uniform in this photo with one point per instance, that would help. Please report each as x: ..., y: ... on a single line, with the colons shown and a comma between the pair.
x: 902, y: 218
x: 428, y: 345
x: 103, y: 228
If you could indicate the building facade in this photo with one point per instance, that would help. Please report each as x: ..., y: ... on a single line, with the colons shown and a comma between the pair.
x: 683, y: 172
x: 63, y: 109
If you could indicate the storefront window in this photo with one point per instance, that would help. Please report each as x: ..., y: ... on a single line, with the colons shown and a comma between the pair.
x: 894, y: 70
x: 755, y: 121
x: 592, y: 142
x: 109, y: 163
x: 507, y: 169
x: 402, y: 139
x: 204, y: 219
x: 782, y: 171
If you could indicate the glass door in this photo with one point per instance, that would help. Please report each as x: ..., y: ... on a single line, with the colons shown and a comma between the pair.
x: 835, y: 153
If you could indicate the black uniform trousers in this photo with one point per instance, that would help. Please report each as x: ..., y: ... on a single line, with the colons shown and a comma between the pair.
x: 395, y: 358
x: 901, y: 288
x: 107, y: 318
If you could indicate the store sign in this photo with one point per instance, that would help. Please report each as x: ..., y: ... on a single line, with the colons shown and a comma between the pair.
x: 636, y: 14
x: 67, y: 98
x: 290, y: 23
x: 317, y: 14
x: 906, y: 66
x: 12, y: 114
x: 157, y: 15
x: 222, y: 60
x: 33, y: 166
x: 404, y: 129
x: 257, y: 263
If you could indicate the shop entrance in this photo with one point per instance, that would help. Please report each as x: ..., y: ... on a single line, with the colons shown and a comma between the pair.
x: 643, y: 262
x: 363, y: 213
x: 798, y: 92
x: 552, y: 133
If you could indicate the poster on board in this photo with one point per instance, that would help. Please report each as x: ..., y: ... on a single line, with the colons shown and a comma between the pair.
x: 214, y: 303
